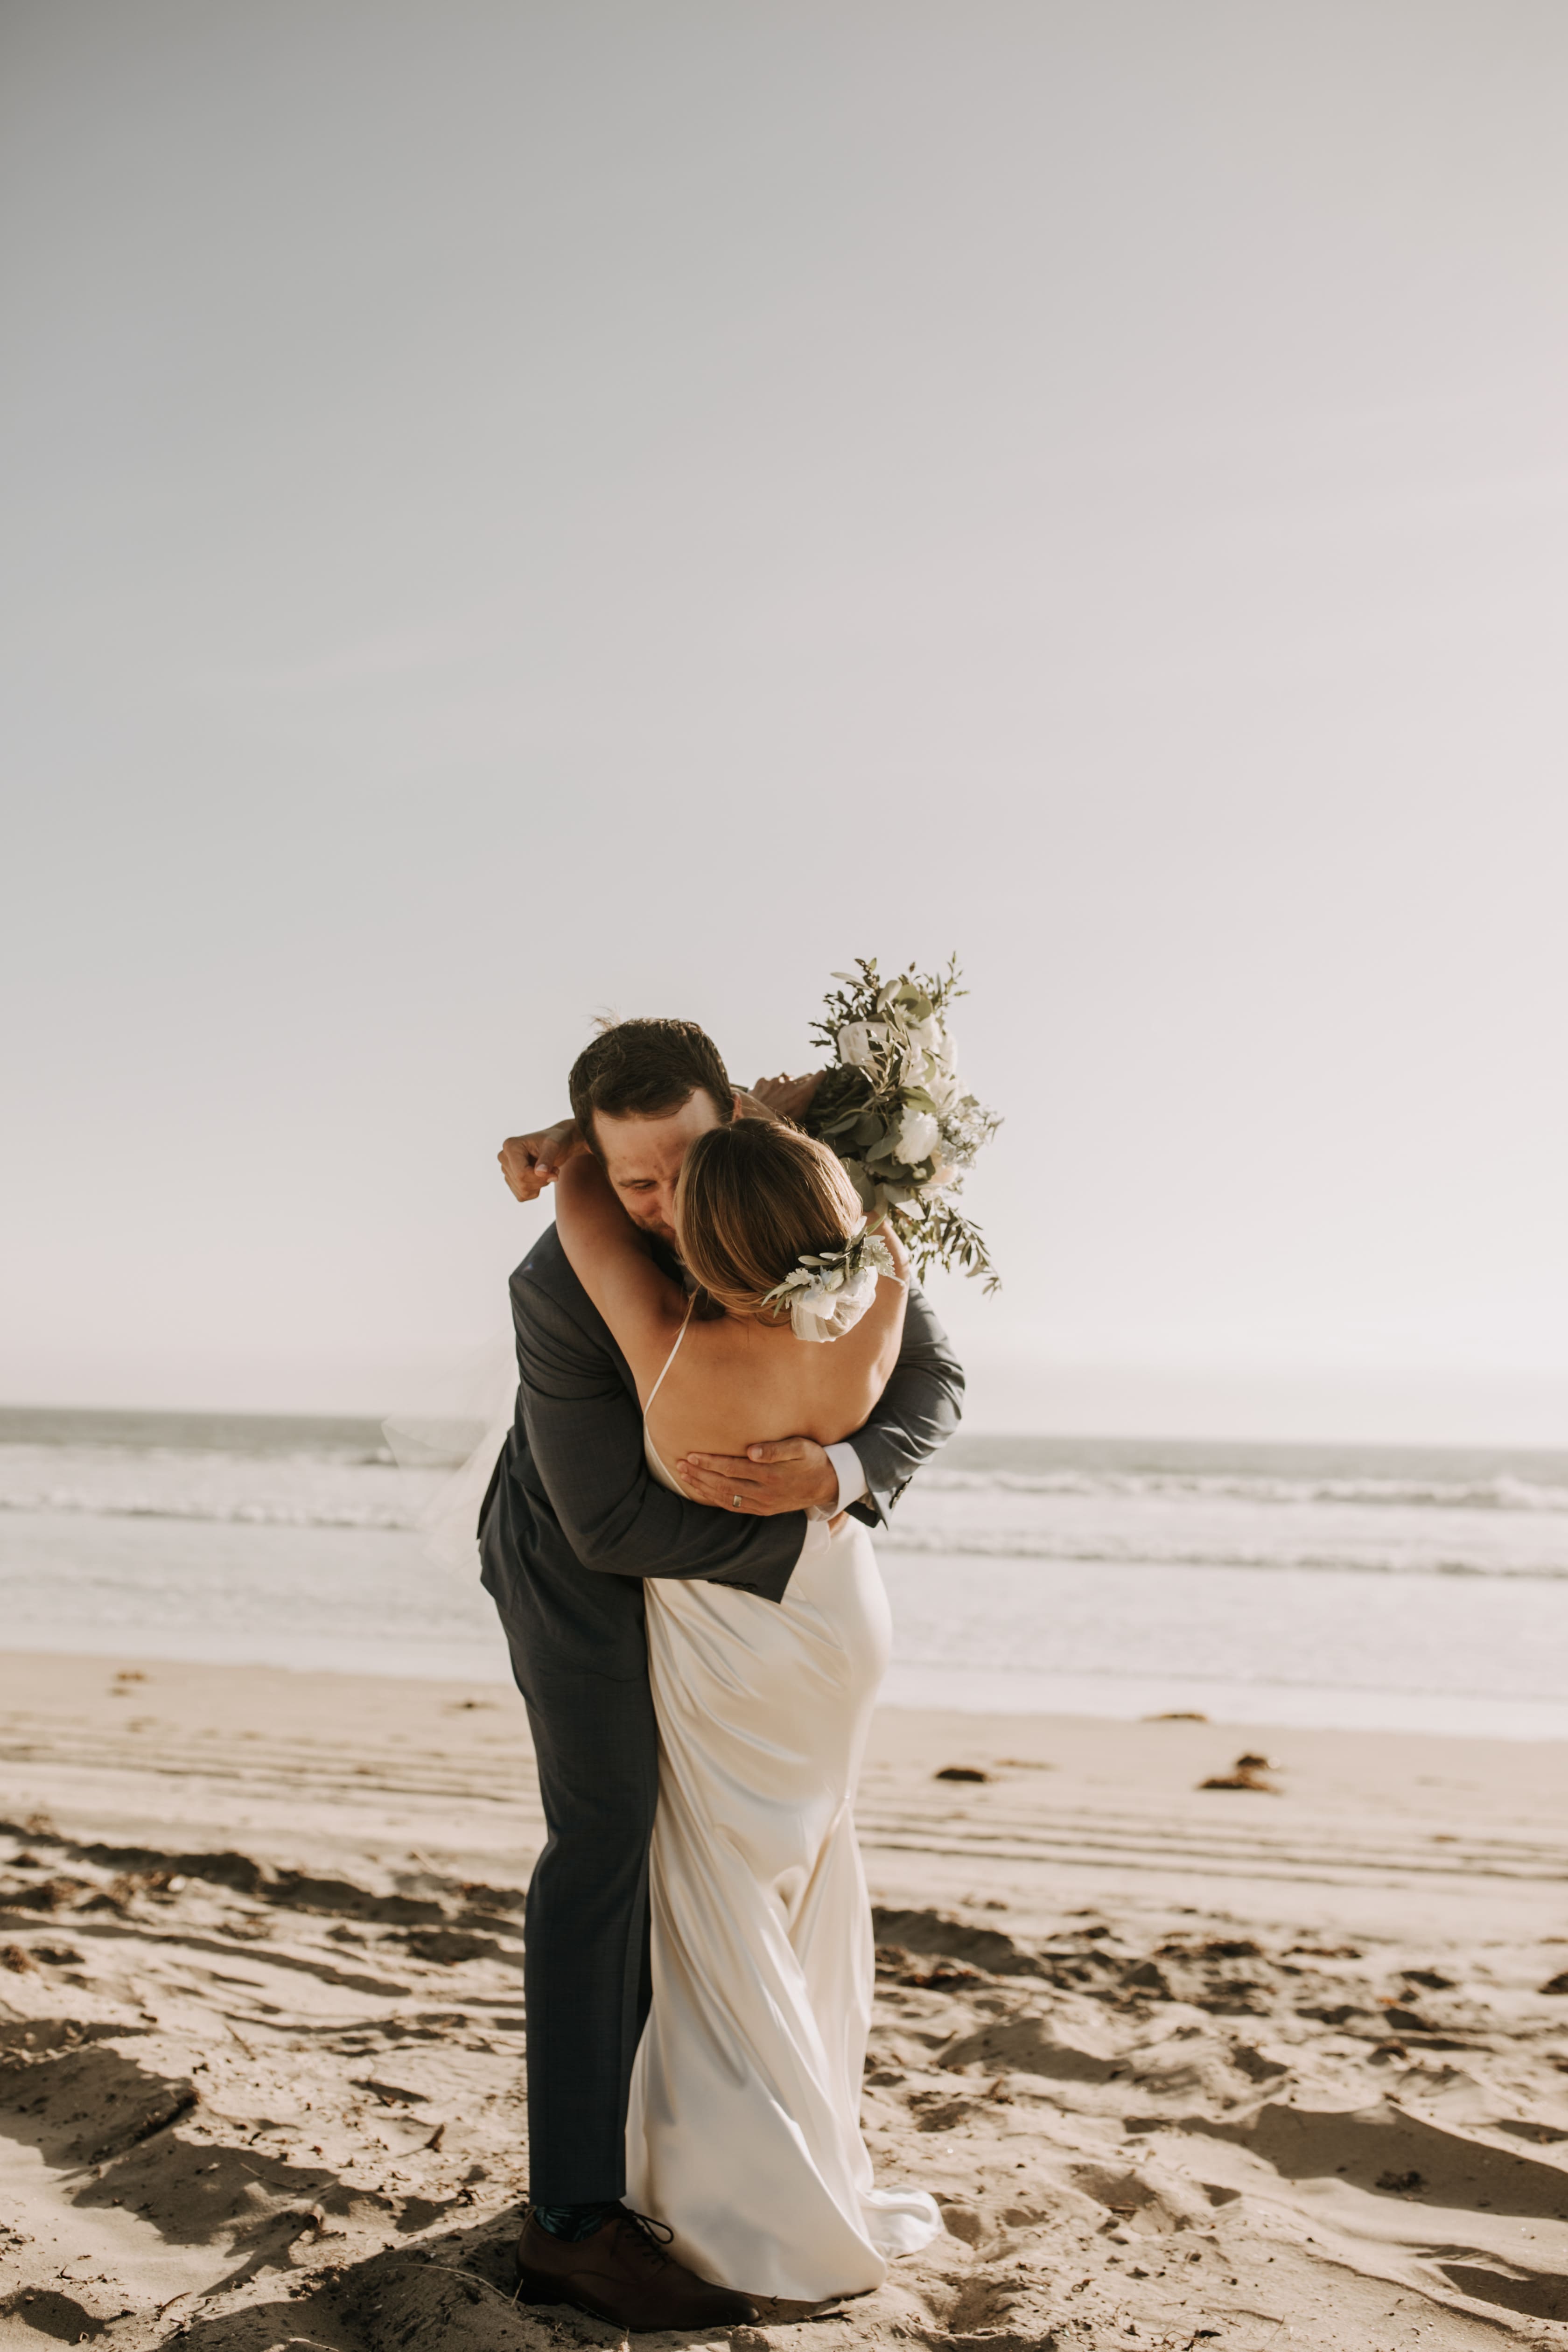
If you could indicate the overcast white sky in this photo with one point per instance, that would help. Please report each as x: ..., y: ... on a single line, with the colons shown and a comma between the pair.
x: 513, y: 508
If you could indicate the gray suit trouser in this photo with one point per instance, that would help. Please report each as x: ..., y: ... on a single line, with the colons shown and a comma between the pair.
x: 596, y: 1741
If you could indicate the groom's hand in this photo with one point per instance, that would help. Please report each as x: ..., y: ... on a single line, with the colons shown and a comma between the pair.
x: 530, y: 1162
x: 794, y: 1474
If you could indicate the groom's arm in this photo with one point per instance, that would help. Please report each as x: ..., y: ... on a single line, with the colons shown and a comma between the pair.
x: 585, y: 1437
x: 918, y: 1410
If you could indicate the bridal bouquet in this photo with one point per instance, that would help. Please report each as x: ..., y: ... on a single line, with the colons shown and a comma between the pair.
x: 894, y: 1110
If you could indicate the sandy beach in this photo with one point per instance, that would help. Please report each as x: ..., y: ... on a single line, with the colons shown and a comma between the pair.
x: 1268, y: 2065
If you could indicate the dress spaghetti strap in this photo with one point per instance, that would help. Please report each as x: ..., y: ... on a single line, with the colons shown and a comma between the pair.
x: 669, y: 1358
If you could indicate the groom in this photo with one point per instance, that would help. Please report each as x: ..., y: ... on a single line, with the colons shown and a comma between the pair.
x: 572, y: 1524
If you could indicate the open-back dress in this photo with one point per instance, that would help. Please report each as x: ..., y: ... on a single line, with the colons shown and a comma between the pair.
x: 743, y: 2132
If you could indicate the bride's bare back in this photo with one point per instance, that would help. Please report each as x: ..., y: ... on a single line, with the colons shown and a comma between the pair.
x: 735, y: 1383
x: 737, y: 1380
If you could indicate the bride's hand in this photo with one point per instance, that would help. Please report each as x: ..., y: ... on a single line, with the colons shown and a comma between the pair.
x: 530, y: 1162
x: 787, y: 1098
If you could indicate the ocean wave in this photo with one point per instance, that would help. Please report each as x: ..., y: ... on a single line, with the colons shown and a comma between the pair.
x: 1137, y: 1548
x: 241, y: 1513
x: 366, y: 1488
x: 1140, y: 1552
x: 1497, y: 1494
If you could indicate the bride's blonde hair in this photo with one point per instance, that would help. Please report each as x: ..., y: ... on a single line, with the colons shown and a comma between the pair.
x: 753, y: 1199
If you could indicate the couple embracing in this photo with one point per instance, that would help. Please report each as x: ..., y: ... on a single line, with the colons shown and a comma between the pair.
x: 698, y: 1629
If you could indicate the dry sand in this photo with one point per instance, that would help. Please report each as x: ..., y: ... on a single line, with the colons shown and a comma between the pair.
x: 1268, y: 2066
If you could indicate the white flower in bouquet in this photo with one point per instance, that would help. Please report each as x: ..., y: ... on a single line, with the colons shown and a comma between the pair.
x: 860, y: 1043
x: 919, y: 1133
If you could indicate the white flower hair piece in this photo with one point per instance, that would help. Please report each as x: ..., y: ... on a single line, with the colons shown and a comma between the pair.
x: 831, y: 1289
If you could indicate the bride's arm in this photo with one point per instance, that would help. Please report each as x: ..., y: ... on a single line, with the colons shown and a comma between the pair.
x: 530, y: 1162
x: 609, y: 1256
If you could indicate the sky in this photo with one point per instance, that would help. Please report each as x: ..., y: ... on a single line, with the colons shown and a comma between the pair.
x: 514, y: 511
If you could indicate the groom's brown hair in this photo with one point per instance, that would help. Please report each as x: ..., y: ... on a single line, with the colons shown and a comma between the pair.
x: 645, y: 1069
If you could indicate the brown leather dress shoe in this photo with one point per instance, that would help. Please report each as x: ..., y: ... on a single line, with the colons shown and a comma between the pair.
x: 625, y: 2273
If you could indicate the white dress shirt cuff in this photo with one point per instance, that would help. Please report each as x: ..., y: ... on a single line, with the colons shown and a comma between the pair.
x: 851, y: 1475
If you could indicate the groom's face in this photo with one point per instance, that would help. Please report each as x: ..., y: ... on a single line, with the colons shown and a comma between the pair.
x: 642, y: 1157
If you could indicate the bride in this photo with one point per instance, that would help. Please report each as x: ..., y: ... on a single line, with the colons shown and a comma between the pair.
x: 743, y: 2132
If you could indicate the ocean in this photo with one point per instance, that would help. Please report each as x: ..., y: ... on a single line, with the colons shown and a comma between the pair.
x: 1355, y: 1586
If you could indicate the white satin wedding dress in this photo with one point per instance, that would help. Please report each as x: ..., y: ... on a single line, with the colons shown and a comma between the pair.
x: 743, y: 2134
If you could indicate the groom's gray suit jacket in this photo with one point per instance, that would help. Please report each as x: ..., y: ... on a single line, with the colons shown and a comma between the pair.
x: 572, y: 1524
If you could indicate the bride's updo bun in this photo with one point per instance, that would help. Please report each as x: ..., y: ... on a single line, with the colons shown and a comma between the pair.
x: 752, y: 1200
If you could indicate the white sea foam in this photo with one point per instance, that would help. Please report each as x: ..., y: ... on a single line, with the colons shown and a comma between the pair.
x: 242, y: 1513
x: 225, y: 1488
x: 1135, y: 1551
x: 369, y: 1490
x: 1501, y: 1492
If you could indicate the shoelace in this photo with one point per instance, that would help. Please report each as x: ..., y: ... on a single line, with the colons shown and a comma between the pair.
x: 649, y: 2238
